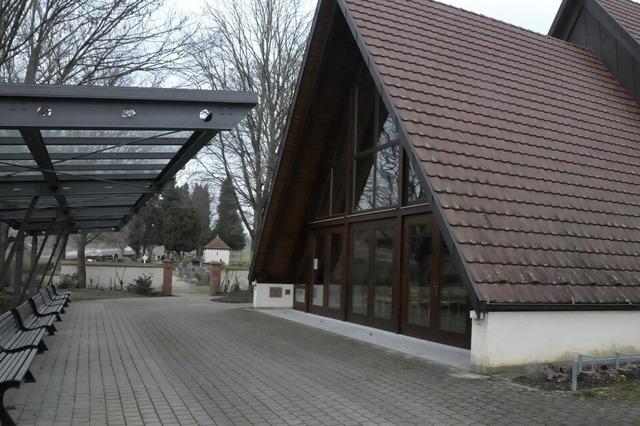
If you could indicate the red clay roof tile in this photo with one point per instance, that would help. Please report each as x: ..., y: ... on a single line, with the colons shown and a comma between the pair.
x: 531, y: 145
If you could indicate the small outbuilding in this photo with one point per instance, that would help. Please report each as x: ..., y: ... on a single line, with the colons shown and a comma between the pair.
x: 217, y: 251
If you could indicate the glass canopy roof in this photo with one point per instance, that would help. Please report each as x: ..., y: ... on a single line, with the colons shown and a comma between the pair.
x: 87, y: 158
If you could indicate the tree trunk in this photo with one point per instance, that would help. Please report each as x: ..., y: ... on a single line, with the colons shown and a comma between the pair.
x: 4, y: 244
x: 82, y: 260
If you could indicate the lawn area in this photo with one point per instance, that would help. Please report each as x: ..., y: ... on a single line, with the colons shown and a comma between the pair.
x: 84, y: 294
x: 201, y: 289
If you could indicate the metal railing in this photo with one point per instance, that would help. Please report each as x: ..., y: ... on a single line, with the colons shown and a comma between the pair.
x: 621, y: 362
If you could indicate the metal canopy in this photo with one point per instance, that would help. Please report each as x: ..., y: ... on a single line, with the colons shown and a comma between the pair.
x: 91, y: 156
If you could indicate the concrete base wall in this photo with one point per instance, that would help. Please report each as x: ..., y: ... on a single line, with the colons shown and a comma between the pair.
x: 108, y: 275
x: 273, y: 296
x: 510, y: 339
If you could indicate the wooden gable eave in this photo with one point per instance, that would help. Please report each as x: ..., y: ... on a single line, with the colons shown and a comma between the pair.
x: 303, y: 93
x: 321, y: 87
x: 589, y: 24
x: 459, y: 262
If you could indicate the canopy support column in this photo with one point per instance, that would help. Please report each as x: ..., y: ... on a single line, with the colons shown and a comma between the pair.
x: 35, y: 258
x: 63, y: 249
x: 12, y: 252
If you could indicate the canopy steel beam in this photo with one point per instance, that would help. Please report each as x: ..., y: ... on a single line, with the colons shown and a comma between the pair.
x: 76, y: 226
x: 61, y: 167
x: 59, y: 238
x: 36, y: 254
x: 33, y: 139
x: 17, y: 273
x: 80, y: 175
x: 13, y: 189
x: 188, y: 151
x: 66, y: 156
x: 112, y: 108
x: 74, y: 212
x: 63, y: 249
x: 83, y: 140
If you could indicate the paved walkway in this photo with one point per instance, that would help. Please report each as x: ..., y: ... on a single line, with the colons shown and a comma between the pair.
x: 186, y: 360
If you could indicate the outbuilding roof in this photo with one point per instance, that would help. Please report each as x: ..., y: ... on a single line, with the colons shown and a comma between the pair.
x: 217, y: 244
x: 529, y: 145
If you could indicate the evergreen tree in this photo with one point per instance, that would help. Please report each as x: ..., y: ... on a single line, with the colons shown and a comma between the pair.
x: 229, y: 225
x: 181, y: 228
x: 202, y: 204
x: 146, y: 228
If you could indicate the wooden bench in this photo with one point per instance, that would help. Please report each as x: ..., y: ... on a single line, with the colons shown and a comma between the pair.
x: 58, y: 298
x: 60, y: 292
x: 28, y: 321
x: 18, y: 347
x: 43, y: 306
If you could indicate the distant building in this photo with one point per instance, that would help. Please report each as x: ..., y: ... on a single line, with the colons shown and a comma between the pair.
x: 217, y: 251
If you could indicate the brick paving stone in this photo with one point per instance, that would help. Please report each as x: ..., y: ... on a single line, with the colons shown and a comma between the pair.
x: 186, y: 360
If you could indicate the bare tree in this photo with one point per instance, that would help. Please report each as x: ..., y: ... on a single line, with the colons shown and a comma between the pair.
x: 250, y: 45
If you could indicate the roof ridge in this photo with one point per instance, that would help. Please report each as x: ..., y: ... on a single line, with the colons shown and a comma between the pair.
x: 506, y: 25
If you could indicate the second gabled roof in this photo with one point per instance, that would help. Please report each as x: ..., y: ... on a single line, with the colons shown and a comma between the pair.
x: 530, y: 145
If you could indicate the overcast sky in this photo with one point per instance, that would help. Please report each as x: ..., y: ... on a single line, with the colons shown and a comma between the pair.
x: 536, y: 15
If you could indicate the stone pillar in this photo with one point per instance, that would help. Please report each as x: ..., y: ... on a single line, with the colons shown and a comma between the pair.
x: 216, y: 277
x: 167, y: 277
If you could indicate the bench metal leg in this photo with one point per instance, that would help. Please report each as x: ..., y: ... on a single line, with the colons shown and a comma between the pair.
x: 28, y: 377
x: 42, y: 347
x: 51, y: 330
x: 58, y: 317
x: 5, y: 418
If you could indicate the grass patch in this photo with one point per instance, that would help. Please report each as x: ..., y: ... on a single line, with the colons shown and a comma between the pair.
x: 624, y: 389
x: 621, y: 386
x: 201, y: 289
x: 87, y: 294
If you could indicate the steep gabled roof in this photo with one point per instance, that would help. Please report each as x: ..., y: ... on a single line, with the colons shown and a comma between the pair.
x: 627, y: 13
x: 528, y: 144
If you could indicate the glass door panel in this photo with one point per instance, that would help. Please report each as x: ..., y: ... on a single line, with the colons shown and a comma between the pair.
x: 360, y: 271
x: 318, y: 272
x: 336, y: 256
x: 454, y: 310
x: 419, y: 274
x: 383, y: 273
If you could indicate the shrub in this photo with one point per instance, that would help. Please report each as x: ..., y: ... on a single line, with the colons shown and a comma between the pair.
x: 68, y: 281
x: 141, y: 285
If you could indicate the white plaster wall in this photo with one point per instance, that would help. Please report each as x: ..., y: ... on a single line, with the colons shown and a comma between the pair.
x: 507, y: 339
x: 211, y: 255
x: 108, y: 275
x: 261, y: 297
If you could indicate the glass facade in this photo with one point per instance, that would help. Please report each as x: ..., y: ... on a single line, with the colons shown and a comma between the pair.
x: 335, y: 271
x: 318, y: 283
x: 360, y: 272
x: 419, y: 274
x: 383, y: 273
x: 454, y: 312
x: 379, y: 258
